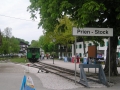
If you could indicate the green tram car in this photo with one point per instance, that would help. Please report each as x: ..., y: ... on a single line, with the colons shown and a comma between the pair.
x: 33, y: 54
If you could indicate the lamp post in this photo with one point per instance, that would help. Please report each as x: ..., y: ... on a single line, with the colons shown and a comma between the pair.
x: 53, y: 50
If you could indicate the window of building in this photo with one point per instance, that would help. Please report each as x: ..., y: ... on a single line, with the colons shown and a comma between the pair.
x: 102, y: 45
x: 64, y: 54
x: 80, y: 46
x: 118, y: 42
x: 106, y: 43
x: 80, y: 54
x: 90, y: 44
x: 84, y: 45
x: 76, y: 46
x: 119, y: 54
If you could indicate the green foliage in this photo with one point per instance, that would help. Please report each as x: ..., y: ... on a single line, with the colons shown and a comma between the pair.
x: 35, y: 44
x: 22, y: 40
x: 81, y: 60
x: 43, y: 43
x: 51, y: 47
x: 14, y: 45
x: 62, y: 32
x: 4, y: 49
x: 9, y: 44
x: 45, y: 48
x: 19, y: 60
x: 90, y: 11
x: 85, y: 13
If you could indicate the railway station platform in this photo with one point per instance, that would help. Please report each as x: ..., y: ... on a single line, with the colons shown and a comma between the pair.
x: 71, y: 65
x: 68, y: 65
x: 11, y: 76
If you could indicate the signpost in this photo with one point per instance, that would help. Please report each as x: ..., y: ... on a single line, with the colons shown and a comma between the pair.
x: 93, y: 32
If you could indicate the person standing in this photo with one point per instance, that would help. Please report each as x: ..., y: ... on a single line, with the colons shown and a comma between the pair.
x: 47, y: 56
x: 78, y: 58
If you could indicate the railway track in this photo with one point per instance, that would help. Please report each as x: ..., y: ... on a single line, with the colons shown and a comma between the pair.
x: 92, y: 78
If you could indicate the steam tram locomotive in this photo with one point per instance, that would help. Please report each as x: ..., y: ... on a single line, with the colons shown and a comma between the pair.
x: 33, y: 54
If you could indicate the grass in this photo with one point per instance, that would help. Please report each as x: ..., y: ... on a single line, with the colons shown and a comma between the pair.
x: 19, y: 60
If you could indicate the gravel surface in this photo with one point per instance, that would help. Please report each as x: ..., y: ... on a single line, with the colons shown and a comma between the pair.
x: 52, y: 81
x: 55, y: 82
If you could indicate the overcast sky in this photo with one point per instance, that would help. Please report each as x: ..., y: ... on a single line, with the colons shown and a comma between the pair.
x: 24, y: 29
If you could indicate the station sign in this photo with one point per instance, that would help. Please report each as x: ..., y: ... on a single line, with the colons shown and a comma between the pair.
x: 92, y: 31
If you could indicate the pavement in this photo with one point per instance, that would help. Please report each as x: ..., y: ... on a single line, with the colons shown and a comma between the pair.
x: 11, y: 76
x: 70, y: 65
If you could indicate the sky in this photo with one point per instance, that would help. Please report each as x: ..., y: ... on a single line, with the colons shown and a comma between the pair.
x: 14, y: 14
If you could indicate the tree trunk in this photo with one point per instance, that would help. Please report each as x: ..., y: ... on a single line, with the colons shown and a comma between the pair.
x: 60, y: 51
x: 113, y: 65
x: 56, y: 50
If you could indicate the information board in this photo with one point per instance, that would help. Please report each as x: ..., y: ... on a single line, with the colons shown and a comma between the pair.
x: 92, y: 51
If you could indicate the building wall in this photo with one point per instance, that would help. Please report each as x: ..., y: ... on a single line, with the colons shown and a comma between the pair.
x: 63, y: 50
x: 80, y: 50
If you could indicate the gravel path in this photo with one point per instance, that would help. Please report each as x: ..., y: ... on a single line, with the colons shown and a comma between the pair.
x: 52, y: 81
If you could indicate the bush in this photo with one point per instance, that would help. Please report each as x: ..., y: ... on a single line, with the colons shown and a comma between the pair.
x: 81, y: 60
x: 19, y: 60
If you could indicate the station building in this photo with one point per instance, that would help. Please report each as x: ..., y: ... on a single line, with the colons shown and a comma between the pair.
x: 80, y: 49
x: 103, y: 49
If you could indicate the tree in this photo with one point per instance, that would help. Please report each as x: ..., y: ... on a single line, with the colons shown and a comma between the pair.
x: 41, y: 40
x: 44, y: 42
x: 63, y: 33
x: 4, y: 49
x: 6, y: 40
x: 10, y: 44
x: 23, y: 40
x: 14, y: 46
x: 51, y: 47
x: 35, y: 43
x: 92, y: 13
x: 7, y: 32
x: 0, y: 38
